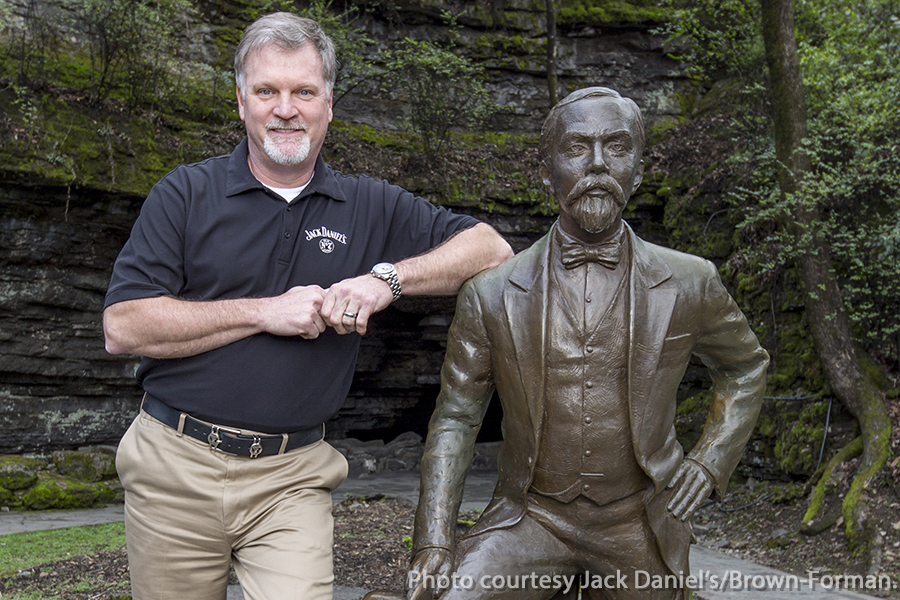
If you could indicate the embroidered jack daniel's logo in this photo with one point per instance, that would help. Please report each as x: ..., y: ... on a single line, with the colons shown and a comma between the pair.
x: 326, y: 236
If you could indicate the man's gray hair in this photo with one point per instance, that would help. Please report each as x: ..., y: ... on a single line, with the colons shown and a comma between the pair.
x: 551, y: 123
x: 287, y: 32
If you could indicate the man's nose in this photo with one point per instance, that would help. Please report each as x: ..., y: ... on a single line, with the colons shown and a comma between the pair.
x: 598, y: 159
x: 285, y: 108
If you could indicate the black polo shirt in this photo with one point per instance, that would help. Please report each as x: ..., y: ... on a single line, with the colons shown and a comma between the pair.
x: 211, y: 231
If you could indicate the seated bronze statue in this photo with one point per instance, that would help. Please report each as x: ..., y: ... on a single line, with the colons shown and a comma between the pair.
x: 585, y: 336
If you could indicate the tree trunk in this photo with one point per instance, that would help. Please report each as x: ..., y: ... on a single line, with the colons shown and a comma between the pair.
x: 830, y: 325
x: 552, y: 81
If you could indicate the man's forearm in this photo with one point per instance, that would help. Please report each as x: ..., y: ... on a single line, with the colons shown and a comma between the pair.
x: 443, y: 270
x: 166, y: 327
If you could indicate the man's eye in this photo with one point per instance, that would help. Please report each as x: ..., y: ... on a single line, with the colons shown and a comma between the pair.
x: 576, y: 148
x: 618, y: 147
x: 265, y: 93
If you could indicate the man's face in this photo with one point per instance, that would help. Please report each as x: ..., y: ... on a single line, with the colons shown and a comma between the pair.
x: 285, y: 107
x: 595, y: 164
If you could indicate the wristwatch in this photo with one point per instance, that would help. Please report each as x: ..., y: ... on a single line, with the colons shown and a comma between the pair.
x: 387, y: 272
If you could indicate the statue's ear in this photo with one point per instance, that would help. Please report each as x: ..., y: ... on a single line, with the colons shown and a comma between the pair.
x: 638, y: 176
x: 545, y: 177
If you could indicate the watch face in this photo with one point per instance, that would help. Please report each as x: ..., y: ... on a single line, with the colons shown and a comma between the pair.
x: 383, y: 268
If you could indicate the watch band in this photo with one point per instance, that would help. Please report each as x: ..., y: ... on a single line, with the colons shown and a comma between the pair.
x: 387, y: 273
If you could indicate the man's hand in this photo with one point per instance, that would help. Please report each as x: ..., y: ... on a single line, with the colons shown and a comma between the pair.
x: 695, y: 488
x: 295, y: 312
x: 166, y: 327
x: 431, y: 565
x: 361, y: 297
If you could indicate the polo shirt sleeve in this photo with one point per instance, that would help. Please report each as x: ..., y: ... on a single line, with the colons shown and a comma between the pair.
x: 417, y: 225
x: 151, y: 263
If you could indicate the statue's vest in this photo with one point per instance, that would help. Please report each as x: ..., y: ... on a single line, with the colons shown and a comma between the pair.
x: 586, y: 446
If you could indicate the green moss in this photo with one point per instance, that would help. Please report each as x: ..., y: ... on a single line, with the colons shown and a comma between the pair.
x: 86, y: 466
x: 788, y: 493
x: 610, y: 11
x: 662, y: 126
x: 698, y: 402
x: 817, y: 498
x: 18, y: 472
x: 379, y: 137
x: 7, y: 498
x: 797, y: 447
x: 62, y: 494
x: 17, y: 459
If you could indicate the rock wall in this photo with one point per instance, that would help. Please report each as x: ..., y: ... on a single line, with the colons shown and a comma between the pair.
x: 508, y: 38
x: 59, y: 388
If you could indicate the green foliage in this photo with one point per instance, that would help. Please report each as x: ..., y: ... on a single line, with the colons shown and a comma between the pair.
x: 132, y: 44
x: 609, y: 11
x: 721, y: 37
x: 849, y: 54
x: 351, y: 44
x: 440, y: 89
x: 31, y: 41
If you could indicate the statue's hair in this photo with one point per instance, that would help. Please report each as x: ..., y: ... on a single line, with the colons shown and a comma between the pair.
x: 287, y: 32
x: 551, y: 123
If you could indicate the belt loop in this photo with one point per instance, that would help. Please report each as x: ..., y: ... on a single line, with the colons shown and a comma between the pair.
x: 284, y: 442
x: 180, y: 429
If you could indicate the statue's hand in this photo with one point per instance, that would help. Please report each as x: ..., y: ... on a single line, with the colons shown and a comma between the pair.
x: 430, y: 571
x: 695, y: 487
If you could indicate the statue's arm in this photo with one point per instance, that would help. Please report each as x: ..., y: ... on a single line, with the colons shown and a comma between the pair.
x: 466, y: 389
x: 737, y: 365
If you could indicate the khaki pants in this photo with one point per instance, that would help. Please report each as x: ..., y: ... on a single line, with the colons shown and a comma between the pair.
x: 191, y: 511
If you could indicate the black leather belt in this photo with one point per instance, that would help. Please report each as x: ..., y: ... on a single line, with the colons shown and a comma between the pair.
x: 229, y: 439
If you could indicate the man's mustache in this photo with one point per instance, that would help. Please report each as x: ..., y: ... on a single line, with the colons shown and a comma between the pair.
x: 289, y: 125
x: 591, y: 182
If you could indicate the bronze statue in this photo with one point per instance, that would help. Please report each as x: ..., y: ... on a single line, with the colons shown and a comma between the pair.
x: 586, y: 336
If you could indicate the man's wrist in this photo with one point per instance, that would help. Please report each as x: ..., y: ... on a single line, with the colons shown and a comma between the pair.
x: 387, y: 273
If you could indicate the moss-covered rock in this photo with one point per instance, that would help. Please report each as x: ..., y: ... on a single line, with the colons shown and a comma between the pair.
x: 7, y: 498
x: 63, y: 493
x: 91, y: 466
x: 18, y: 472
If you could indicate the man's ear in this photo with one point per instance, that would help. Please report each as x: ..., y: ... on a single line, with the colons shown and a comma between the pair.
x: 240, y: 101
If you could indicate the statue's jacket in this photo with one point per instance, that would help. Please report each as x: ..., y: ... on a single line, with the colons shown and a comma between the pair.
x: 499, y: 339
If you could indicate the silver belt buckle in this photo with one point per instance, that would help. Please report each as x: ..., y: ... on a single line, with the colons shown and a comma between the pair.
x: 255, y: 448
x: 215, y: 439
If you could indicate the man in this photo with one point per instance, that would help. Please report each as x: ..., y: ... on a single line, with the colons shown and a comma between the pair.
x: 585, y: 336
x: 244, y: 285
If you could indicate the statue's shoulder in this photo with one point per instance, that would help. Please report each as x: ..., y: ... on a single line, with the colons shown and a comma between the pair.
x: 524, y: 263
x: 681, y: 263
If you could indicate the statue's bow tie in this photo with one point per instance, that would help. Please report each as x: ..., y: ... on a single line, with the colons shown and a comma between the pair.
x: 607, y: 254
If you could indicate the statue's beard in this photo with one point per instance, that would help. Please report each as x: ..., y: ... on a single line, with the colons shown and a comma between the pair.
x: 596, y: 203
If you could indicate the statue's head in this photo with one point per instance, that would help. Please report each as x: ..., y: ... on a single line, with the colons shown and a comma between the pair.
x: 591, y: 147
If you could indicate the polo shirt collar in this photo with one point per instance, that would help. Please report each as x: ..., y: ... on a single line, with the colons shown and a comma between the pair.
x: 239, y: 179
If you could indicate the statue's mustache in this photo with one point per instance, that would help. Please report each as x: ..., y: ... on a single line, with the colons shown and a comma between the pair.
x: 591, y: 182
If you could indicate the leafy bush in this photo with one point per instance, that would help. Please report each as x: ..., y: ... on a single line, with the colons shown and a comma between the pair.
x: 440, y: 90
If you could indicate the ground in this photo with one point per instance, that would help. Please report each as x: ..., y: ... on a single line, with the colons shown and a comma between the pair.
x: 755, y: 521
